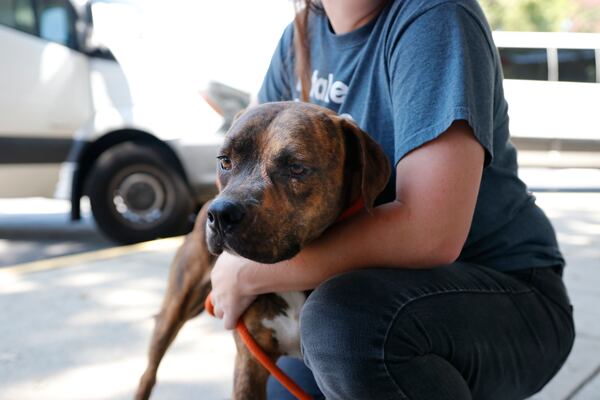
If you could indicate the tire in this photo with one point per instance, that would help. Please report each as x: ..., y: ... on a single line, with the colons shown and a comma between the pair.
x: 136, y: 195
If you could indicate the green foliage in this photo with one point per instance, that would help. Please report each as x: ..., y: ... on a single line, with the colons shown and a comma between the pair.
x: 528, y: 15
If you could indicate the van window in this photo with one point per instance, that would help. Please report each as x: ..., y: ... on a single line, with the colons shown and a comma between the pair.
x: 577, y: 65
x: 55, y: 22
x: 18, y: 14
x: 519, y: 63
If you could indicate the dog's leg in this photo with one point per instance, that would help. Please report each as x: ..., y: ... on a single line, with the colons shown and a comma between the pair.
x: 168, y: 323
x: 189, y: 284
x: 250, y: 378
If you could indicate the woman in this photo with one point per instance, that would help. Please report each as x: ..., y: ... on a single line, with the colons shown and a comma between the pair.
x: 452, y: 289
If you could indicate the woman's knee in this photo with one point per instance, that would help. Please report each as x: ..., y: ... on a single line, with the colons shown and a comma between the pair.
x: 343, y: 332
x: 331, y: 320
x: 345, y: 308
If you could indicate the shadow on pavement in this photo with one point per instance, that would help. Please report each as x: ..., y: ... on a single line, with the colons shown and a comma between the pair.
x: 26, y: 237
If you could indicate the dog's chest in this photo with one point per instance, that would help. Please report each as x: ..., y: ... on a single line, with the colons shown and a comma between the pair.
x: 286, y: 326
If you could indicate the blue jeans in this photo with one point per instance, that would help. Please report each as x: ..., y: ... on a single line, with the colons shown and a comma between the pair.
x: 457, y: 332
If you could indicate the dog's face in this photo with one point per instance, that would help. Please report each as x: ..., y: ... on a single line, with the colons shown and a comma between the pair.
x: 285, y: 172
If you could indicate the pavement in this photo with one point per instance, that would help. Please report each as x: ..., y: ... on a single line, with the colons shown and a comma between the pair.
x: 35, y: 228
x: 77, y: 327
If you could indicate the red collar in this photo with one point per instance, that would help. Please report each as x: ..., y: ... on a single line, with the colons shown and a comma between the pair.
x: 352, y: 210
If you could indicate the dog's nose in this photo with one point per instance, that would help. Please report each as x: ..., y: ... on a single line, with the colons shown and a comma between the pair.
x: 224, y: 214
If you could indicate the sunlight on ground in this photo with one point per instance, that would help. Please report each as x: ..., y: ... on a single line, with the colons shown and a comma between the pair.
x: 82, y: 332
x: 576, y: 218
x: 37, y: 205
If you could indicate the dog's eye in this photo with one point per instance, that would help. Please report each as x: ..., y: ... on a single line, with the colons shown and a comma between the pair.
x: 224, y: 162
x: 297, y: 170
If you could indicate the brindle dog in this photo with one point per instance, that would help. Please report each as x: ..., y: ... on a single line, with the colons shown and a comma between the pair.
x: 286, y: 171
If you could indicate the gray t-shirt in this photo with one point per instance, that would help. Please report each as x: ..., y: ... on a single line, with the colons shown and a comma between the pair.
x: 404, y: 78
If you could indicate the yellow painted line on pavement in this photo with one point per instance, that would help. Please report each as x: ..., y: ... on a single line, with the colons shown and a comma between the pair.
x: 91, y: 256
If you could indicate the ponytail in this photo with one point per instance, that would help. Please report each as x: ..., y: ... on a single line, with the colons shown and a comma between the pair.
x: 302, y: 46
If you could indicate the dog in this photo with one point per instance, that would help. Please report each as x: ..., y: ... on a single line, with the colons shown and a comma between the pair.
x: 285, y: 172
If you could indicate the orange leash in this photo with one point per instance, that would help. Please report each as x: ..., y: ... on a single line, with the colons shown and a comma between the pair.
x: 262, y: 357
x: 254, y: 347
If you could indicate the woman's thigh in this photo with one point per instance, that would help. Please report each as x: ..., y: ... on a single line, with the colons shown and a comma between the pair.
x: 458, y: 331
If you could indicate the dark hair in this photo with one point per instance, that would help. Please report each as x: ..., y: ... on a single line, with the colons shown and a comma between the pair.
x: 301, y: 43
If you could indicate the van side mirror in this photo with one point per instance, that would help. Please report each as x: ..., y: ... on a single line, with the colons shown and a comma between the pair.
x: 89, y: 42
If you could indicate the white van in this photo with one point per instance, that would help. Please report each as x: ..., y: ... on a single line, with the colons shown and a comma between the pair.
x: 78, y: 117
x: 552, y: 85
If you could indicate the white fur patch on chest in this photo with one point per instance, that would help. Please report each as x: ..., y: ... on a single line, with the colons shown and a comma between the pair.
x: 287, y: 327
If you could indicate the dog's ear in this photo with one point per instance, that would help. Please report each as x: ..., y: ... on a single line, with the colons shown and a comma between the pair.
x: 234, y: 119
x: 239, y: 114
x: 367, y: 158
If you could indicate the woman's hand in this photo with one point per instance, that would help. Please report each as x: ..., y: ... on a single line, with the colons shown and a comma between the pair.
x: 229, y: 297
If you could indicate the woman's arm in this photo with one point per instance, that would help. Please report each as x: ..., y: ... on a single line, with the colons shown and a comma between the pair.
x: 427, y: 225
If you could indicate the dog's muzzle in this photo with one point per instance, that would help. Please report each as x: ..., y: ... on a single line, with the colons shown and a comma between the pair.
x: 224, y: 215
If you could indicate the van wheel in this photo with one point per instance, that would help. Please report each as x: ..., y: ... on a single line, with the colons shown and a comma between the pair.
x: 137, y: 196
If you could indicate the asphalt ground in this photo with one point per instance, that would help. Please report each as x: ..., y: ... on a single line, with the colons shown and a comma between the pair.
x: 34, y: 229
